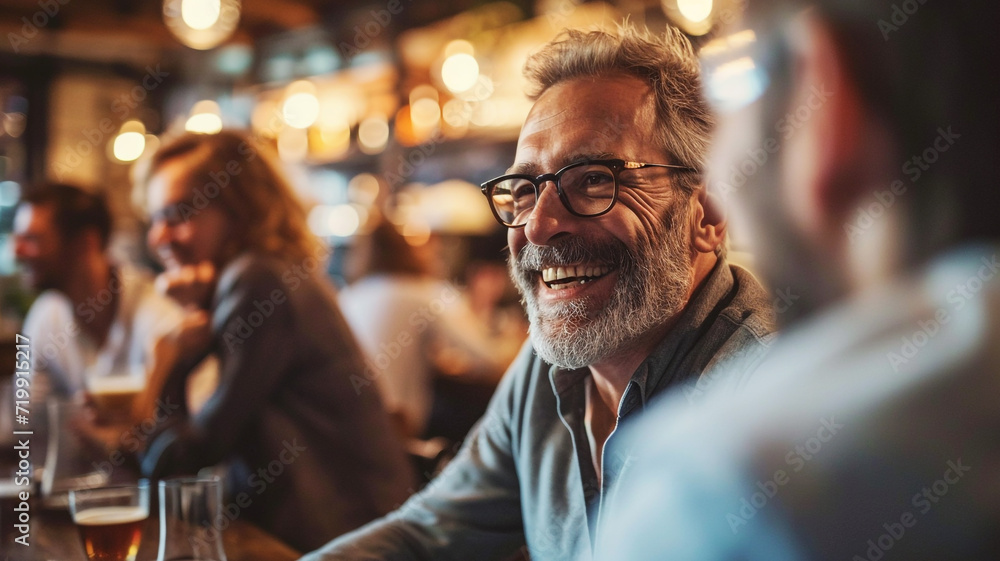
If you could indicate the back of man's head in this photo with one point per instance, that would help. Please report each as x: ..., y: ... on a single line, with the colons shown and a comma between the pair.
x: 922, y: 69
x: 74, y: 210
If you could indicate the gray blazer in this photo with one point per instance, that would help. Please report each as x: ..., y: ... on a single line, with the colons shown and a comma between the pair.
x: 311, y: 457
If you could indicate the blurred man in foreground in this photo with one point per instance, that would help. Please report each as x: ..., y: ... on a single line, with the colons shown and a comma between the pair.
x: 617, y: 253
x: 95, y: 320
x: 870, y: 431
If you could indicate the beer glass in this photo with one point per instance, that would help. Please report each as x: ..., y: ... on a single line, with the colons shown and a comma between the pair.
x: 114, y: 396
x: 110, y: 520
x: 191, y: 520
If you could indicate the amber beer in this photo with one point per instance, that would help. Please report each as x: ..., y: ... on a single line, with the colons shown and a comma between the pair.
x: 114, y: 396
x: 111, y: 533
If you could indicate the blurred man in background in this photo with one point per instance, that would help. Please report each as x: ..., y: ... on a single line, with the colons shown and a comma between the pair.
x: 871, y: 429
x: 618, y: 255
x: 94, y: 318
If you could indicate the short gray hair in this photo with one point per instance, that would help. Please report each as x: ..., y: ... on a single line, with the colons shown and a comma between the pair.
x: 666, y: 62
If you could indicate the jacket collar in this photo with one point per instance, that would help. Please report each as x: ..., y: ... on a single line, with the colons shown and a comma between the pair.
x: 714, y: 292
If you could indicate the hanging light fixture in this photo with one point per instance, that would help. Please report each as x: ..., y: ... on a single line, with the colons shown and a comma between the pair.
x: 694, y: 17
x: 205, y: 118
x: 130, y: 142
x: 201, y: 24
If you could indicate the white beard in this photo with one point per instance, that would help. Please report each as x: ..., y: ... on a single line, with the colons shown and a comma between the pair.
x: 652, y: 287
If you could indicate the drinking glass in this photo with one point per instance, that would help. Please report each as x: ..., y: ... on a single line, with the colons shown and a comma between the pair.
x: 70, y: 462
x: 114, y: 396
x: 190, y: 516
x: 110, y: 520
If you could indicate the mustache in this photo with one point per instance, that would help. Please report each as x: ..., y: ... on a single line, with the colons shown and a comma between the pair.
x: 572, y: 251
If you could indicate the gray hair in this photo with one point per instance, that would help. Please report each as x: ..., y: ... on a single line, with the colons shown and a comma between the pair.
x: 666, y: 62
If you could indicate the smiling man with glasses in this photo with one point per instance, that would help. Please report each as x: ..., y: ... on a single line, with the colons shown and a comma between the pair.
x: 619, y: 256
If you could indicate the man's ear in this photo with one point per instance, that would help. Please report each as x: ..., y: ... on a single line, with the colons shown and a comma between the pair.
x: 828, y: 139
x: 708, y: 221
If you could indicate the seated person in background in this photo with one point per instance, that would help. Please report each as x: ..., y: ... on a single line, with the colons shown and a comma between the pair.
x: 405, y: 319
x: 871, y: 430
x: 96, y: 322
x: 311, y: 457
x: 617, y: 253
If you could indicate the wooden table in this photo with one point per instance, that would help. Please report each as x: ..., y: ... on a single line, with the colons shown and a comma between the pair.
x: 55, y: 538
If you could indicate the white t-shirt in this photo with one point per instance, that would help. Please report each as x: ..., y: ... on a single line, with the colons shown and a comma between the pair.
x: 402, y: 323
x: 65, y: 356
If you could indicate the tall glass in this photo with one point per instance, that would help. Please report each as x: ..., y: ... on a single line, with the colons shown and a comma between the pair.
x: 70, y: 462
x: 191, y: 520
x: 110, y: 520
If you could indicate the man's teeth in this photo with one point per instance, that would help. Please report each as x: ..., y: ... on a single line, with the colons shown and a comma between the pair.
x: 580, y: 272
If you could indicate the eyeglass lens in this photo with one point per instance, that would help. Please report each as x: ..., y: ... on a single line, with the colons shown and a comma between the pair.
x: 588, y: 190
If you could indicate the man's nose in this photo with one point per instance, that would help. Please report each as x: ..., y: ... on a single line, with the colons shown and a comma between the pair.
x: 550, y: 219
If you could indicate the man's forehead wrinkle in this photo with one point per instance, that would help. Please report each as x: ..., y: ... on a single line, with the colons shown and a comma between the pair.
x: 542, y: 121
x: 570, y: 125
x: 559, y: 113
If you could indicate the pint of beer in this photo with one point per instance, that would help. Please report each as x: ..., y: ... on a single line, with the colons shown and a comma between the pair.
x: 111, y: 520
x: 114, y: 396
x: 111, y: 533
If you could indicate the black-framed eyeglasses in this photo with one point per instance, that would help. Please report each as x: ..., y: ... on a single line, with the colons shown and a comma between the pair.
x: 587, y: 189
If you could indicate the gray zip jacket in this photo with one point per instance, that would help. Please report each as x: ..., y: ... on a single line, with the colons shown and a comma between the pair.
x: 524, y: 477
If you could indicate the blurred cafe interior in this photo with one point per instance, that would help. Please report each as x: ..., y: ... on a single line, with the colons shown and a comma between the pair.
x: 400, y: 107
x: 378, y: 112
